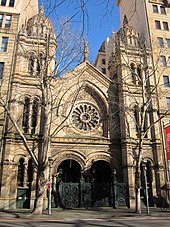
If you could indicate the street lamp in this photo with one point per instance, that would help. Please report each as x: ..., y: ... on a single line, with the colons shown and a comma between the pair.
x: 114, y: 188
x: 146, y: 185
x: 50, y: 185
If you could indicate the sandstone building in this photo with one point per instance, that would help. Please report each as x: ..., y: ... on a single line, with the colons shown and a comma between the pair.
x: 93, y: 140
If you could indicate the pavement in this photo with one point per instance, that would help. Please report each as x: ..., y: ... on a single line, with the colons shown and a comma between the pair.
x: 84, y: 214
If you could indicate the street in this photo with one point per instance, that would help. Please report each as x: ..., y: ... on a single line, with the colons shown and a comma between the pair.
x: 116, y: 222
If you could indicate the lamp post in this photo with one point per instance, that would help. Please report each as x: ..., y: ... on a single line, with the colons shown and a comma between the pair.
x: 50, y: 185
x: 146, y: 185
x: 114, y: 188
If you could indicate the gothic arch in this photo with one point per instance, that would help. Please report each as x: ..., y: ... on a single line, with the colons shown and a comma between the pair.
x: 65, y: 155
x: 96, y: 97
x: 97, y: 157
x: 18, y: 157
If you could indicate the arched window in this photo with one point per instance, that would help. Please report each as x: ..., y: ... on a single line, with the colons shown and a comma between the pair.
x: 25, y: 119
x: 136, y: 118
x: 139, y: 74
x: 30, y: 172
x: 145, y: 124
x: 39, y: 64
x: 133, y: 74
x: 34, y: 115
x: 31, y: 64
x: 21, y: 169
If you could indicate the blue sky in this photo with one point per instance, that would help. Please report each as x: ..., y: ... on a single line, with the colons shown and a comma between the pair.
x: 99, y: 27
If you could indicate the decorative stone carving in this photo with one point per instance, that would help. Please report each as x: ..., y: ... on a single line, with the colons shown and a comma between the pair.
x: 85, y: 117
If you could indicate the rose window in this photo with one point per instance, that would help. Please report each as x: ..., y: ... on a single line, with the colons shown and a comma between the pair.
x: 85, y: 117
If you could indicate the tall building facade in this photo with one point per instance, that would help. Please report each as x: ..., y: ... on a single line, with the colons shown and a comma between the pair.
x: 13, y: 14
x: 152, y: 20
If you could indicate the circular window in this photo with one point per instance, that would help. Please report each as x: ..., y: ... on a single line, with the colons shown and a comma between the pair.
x: 85, y: 117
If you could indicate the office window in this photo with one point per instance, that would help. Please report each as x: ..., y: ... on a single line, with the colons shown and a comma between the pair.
x: 155, y: 8
x: 1, y: 19
x: 166, y: 81
x: 165, y: 26
x: 8, y: 21
x: 3, y: 2
x: 168, y: 43
x: 162, y: 10
x: 163, y: 60
x: 160, y: 41
x: 4, y: 44
x: 11, y: 3
x: 168, y: 102
x: 157, y: 24
x: 1, y: 69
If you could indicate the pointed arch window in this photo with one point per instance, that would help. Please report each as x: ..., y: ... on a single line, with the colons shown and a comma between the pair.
x: 30, y: 172
x: 136, y: 118
x: 139, y: 74
x: 34, y: 115
x: 133, y: 74
x: 31, y: 64
x: 20, y: 176
x: 145, y: 124
x: 39, y: 63
x: 38, y: 66
x: 25, y: 119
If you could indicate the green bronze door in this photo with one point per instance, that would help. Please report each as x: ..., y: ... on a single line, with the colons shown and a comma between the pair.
x: 23, y: 197
x: 70, y: 194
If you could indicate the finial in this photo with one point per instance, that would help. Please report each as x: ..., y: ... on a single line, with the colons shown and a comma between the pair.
x: 125, y: 20
x: 85, y: 51
x: 41, y: 10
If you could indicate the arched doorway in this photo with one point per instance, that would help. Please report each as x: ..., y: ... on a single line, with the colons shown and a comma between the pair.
x: 101, y: 171
x: 24, y: 183
x: 91, y: 188
x: 70, y: 170
x: 68, y: 184
x: 76, y: 188
x: 102, y: 185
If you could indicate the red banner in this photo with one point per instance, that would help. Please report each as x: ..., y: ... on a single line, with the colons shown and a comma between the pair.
x: 167, y: 141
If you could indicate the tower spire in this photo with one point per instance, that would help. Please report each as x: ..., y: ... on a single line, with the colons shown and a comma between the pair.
x: 41, y: 10
x: 85, y: 51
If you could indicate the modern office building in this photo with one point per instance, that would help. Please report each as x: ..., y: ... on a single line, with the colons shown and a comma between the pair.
x: 152, y: 20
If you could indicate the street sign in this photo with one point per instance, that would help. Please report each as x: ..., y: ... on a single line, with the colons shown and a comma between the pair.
x: 167, y: 185
x: 48, y: 184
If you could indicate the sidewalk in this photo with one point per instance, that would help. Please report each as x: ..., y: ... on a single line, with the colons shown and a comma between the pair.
x: 82, y: 214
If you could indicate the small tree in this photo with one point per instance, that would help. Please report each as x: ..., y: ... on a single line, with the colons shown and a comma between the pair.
x: 45, y: 65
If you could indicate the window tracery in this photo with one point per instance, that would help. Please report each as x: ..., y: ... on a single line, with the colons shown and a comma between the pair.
x: 85, y: 117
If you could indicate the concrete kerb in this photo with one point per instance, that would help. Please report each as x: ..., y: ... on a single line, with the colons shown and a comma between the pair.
x: 82, y: 214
